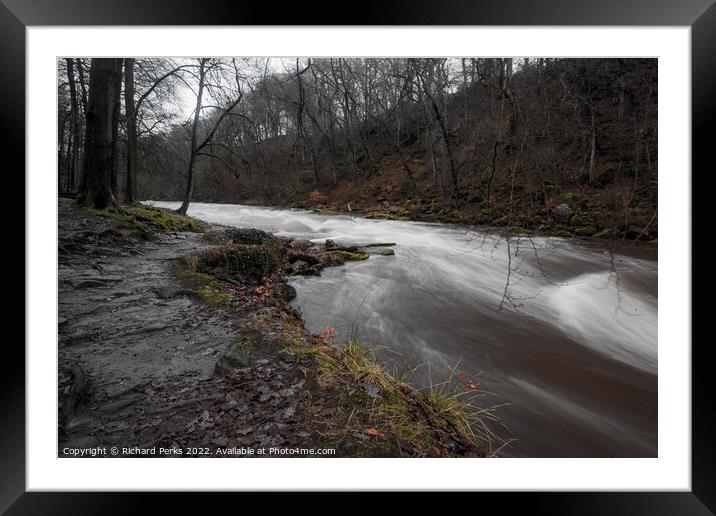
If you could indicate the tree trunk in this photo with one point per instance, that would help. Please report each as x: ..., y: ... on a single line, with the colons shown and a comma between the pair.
x: 74, y: 161
x: 455, y: 191
x: 83, y: 86
x: 194, y: 128
x: 593, y: 153
x: 105, y: 76
x: 61, y: 152
x: 116, y: 112
x: 130, y: 191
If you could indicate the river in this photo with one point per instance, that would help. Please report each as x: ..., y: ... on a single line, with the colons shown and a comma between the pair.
x: 560, y: 333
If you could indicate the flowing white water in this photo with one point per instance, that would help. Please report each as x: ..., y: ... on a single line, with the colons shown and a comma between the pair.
x: 563, y: 331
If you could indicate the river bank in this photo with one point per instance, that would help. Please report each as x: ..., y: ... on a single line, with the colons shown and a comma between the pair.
x: 561, y: 221
x: 177, y: 335
x: 588, y: 217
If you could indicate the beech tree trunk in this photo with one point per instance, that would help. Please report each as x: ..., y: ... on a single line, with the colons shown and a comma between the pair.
x: 98, y: 164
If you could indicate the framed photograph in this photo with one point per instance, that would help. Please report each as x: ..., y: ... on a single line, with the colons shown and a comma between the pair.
x: 419, y: 250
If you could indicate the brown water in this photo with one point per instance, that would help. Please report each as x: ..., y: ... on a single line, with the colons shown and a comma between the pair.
x: 570, y: 345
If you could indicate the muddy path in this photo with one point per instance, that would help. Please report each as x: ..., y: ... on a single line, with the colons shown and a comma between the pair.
x: 137, y: 353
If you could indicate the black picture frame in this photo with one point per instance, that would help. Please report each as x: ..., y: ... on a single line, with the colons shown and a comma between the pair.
x: 700, y: 15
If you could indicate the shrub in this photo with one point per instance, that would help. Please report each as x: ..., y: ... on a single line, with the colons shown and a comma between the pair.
x: 317, y: 197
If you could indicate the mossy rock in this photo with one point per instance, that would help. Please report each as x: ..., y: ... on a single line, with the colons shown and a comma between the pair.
x: 239, y: 355
x: 164, y: 220
x: 252, y: 262
x: 585, y: 231
x: 581, y: 220
x: 604, y: 233
x: 249, y: 236
x: 308, y: 258
x: 333, y: 259
x: 518, y: 230
x: 350, y: 256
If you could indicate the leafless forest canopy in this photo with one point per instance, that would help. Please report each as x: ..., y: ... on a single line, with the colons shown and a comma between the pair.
x: 484, y: 139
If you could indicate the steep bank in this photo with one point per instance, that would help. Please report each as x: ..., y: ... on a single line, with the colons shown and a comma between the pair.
x: 182, y: 340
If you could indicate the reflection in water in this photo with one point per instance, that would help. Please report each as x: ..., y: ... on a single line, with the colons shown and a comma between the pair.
x: 571, y: 344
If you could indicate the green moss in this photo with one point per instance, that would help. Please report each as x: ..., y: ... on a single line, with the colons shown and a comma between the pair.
x: 518, y: 230
x: 349, y: 256
x: 213, y: 296
x: 112, y: 212
x: 585, y: 230
x: 164, y: 220
x: 206, y: 286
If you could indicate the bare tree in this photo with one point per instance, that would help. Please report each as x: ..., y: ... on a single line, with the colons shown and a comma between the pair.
x: 205, y: 67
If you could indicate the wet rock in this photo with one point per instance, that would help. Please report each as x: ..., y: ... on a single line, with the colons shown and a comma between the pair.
x: 116, y: 406
x: 121, y: 293
x: 164, y: 292
x: 144, y: 329
x: 393, y: 210
x: 377, y: 244
x: 302, y: 257
x: 330, y: 244
x: 93, y: 281
x: 382, y: 252
x: 239, y: 355
x: 562, y: 213
x: 79, y: 337
x: 299, y: 267
x: 285, y: 291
